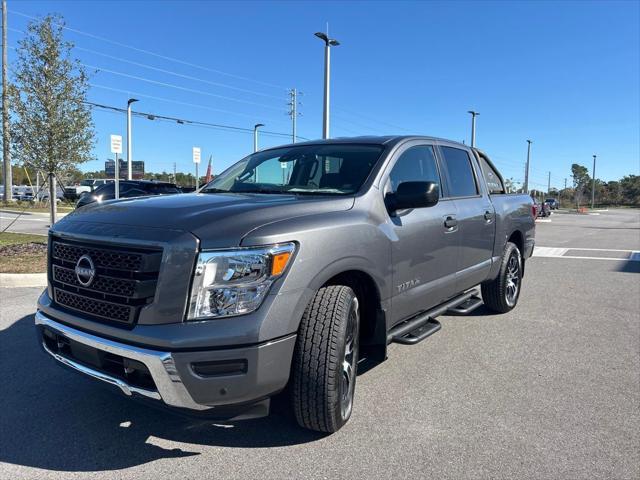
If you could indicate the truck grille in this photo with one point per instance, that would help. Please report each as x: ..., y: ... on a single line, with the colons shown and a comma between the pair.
x: 123, y: 282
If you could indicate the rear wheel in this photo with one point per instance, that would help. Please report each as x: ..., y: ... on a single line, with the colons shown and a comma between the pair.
x: 326, y: 360
x: 501, y: 294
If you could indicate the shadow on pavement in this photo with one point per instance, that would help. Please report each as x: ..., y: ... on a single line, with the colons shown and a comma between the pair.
x: 630, y: 267
x: 55, y: 419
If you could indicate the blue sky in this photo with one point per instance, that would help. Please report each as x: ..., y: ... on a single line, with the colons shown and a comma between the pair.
x: 564, y: 74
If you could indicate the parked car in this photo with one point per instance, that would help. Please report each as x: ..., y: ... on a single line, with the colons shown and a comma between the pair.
x: 128, y: 189
x: 542, y: 209
x: 553, y: 203
x: 73, y: 192
x: 285, y: 270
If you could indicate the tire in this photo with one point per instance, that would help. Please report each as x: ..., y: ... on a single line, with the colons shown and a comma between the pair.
x: 501, y: 294
x: 325, y: 360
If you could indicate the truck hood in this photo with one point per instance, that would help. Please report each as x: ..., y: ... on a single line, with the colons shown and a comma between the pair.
x: 218, y: 220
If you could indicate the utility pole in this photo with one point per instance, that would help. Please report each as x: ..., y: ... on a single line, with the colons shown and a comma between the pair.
x: 293, y: 112
x: 473, y: 127
x: 549, y: 184
x: 6, y: 138
x: 526, y: 170
x: 328, y: 43
x: 175, y: 175
x: 593, y: 184
x: 255, y: 136
x: 129, y: 155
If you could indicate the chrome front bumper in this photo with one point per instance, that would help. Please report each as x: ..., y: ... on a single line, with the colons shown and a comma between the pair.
x: 161, y: 365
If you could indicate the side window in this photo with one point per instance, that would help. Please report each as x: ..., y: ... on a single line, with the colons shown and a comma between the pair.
x: 417, y: 164
x: 494, y: 184
x: 457, y: 163
x: 108, y: 189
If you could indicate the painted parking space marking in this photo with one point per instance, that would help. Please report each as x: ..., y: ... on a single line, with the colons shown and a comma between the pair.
x: 588, y: 253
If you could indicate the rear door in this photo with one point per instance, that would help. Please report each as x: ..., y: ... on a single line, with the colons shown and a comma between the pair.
x: 475, y: 214
x: 424, y: 250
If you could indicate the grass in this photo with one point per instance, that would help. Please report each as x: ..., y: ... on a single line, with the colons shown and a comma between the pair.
x: 22, y: 253
x: 33, y: 207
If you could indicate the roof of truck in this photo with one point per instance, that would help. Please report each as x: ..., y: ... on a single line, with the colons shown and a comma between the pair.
x: 370, y: 139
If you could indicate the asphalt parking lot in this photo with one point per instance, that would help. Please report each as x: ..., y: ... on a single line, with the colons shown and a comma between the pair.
x: 549, y: 391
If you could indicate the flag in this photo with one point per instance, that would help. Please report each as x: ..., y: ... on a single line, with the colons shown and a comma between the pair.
x: 208, y: 178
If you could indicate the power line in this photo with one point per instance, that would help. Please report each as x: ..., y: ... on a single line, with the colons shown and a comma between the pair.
x: 164, y: 57
x: 171, y: 86
x: 178, y: 87
x: 169, y: 72
x: 179, y: 102
x: 183, y: 121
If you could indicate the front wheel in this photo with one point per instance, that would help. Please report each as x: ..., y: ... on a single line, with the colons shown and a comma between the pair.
x: 325, y: 361
x: 501, y: 294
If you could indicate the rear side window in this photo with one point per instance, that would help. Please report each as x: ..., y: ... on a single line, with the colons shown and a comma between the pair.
x: 457, y: 164
x: 417, y: 164
x: 108, y: 189
x: 491, y: 177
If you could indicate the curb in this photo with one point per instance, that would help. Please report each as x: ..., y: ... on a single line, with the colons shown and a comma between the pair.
x: 17, y: 280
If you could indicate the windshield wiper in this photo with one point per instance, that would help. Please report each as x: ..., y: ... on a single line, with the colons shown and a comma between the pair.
x: 215, y: 190
x: 262, y: 190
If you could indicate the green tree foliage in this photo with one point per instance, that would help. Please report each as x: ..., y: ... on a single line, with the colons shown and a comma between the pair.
x: 630, y: 186
x: 581, y: 180
x: 52, y: 129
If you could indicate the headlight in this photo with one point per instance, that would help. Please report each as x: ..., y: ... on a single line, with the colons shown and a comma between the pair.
x: 235, y: 282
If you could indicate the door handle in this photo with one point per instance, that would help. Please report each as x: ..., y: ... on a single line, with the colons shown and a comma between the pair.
x: 488, y: 215
x: 450, y: 222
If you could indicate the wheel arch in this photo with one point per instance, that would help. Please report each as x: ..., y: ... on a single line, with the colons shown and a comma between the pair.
x: 517, y: 238
x: 373, y: 327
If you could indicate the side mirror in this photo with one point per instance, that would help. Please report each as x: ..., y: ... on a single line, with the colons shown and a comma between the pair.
x: 413, y: 195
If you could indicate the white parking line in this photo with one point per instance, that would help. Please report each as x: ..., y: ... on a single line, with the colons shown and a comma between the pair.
x: 555, y: 252
x: 25, y: 218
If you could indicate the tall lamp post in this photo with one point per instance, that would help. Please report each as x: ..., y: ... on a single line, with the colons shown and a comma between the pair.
x: 328, y: 43
x: 473, y: 127
x: 255, y: 135
x: 129, y: 159
x: 593, y: 184
x: 526, y: 170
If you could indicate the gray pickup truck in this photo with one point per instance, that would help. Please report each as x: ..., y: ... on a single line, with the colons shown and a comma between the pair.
x: 283, y: 272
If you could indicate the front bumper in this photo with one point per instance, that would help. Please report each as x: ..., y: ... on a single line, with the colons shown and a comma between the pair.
x: 171, y: 377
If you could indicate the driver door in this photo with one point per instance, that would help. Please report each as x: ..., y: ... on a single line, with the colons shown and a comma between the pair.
x: 424, y: 251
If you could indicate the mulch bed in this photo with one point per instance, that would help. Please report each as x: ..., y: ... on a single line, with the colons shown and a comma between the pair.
x: 24, y: 249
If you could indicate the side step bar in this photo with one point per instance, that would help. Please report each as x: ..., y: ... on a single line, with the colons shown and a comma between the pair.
x: 424, y: 324
x: 466, y: 307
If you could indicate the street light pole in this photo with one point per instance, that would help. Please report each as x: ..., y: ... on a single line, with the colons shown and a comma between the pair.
x: 593, y: 184
x: 6, y: 139
x: 526, y: 170
x: 328, y: 43
x: 129, y: 159
x: 255, y: 135
x: 473, y: 127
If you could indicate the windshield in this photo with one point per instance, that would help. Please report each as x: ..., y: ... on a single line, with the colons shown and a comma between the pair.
x: 308, y: 169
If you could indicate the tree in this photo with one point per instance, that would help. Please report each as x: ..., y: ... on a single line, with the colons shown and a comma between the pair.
x: 630, y: 185
x: 52, y: 129
x: 510, y: 185
x: 580, y: 181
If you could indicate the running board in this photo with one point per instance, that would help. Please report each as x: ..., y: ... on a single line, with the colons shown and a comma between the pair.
x: 466, y: 307
x: 424, y: 324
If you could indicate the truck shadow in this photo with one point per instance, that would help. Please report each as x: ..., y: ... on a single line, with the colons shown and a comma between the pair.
x: 55, y: 419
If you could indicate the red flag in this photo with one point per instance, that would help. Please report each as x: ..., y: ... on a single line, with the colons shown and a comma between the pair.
x: 208, y: 178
